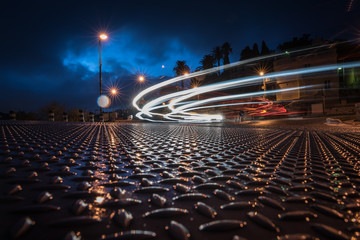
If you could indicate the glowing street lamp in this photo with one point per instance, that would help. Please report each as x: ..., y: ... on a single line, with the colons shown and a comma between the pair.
x: 198, y: 96
x: 101, y: 37
x: 261, y: 73
x: 141, y: 78
x: 114, y: 92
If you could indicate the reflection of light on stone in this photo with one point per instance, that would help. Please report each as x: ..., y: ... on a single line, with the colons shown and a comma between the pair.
x: 99, y: 199
x: 103, y: 101
x: 95, y: 210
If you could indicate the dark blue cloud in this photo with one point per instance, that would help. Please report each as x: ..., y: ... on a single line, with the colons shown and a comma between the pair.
x: 50, y: 48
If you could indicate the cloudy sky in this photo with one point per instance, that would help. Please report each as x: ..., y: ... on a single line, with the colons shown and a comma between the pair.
x: 49, y: 49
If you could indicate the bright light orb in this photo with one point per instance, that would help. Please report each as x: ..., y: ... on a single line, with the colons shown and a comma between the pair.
x: 103, y: 101
x: 163, y: 66
x: 113, y: 91
x: 103, y: 36
x: 261, y: 73
x: 141, y: 78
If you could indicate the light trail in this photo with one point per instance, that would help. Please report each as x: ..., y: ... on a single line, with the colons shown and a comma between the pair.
x: 224, y: 67
x: 230, y: 97
x: 179, y: 110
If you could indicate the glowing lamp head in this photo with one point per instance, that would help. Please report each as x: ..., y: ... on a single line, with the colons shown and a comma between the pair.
x: 141, y: 78
x: 186, y: 73
x: 103, y: 36
x: 261, y: 73
x: 113, y: 91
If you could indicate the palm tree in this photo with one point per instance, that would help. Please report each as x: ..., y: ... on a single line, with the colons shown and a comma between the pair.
x: 207, y: 62
x: 181, y: 68
x: 218, y: 54
x: 226, y: 50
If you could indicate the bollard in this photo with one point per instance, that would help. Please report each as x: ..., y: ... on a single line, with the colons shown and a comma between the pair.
x: 12, y: 115
x: 101, y: 117
x: 51, y: 116
x: 91, y: 117
x: 65, y: 117
x: 81, y: 115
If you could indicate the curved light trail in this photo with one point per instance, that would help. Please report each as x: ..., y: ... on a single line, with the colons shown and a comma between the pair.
x: 180, y: 105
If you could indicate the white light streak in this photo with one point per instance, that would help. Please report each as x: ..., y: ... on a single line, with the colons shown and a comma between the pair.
x: 179, y: 111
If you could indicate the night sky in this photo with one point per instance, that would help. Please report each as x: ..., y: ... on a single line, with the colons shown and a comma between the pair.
x: 49, y: 49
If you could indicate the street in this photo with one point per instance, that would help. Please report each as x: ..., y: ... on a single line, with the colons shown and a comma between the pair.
x: 262, y: 180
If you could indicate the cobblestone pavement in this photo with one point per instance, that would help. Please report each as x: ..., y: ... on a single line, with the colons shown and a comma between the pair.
x: 169, y: 181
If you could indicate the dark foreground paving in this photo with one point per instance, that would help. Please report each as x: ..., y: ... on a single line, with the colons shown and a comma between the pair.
x: 160, y: 181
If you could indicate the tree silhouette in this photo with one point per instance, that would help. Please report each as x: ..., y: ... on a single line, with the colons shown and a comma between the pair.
x: 226, y: 50
x: 303, y: 41
x: 264, y: 49
x: 246, y: 53
x: 207, y: 62
x: 255, y: 51
x: 181, y: 68
x: 218, y: 54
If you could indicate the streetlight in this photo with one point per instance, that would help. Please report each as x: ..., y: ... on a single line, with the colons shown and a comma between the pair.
x: 261, y: 73
x: 182, y: 81
x: 198, y: 96
x: 141, y: 78
x: 101, y: 37
x: 114, y: 93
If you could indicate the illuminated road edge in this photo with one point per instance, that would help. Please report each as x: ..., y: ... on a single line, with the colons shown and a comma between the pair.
x: 178, y: 108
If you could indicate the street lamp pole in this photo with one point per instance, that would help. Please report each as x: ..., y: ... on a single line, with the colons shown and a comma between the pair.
x: 140, y: 80
x: 101, y: 37
x: 114, y: 92
x: 264, y: 83
x: 100, y: 68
